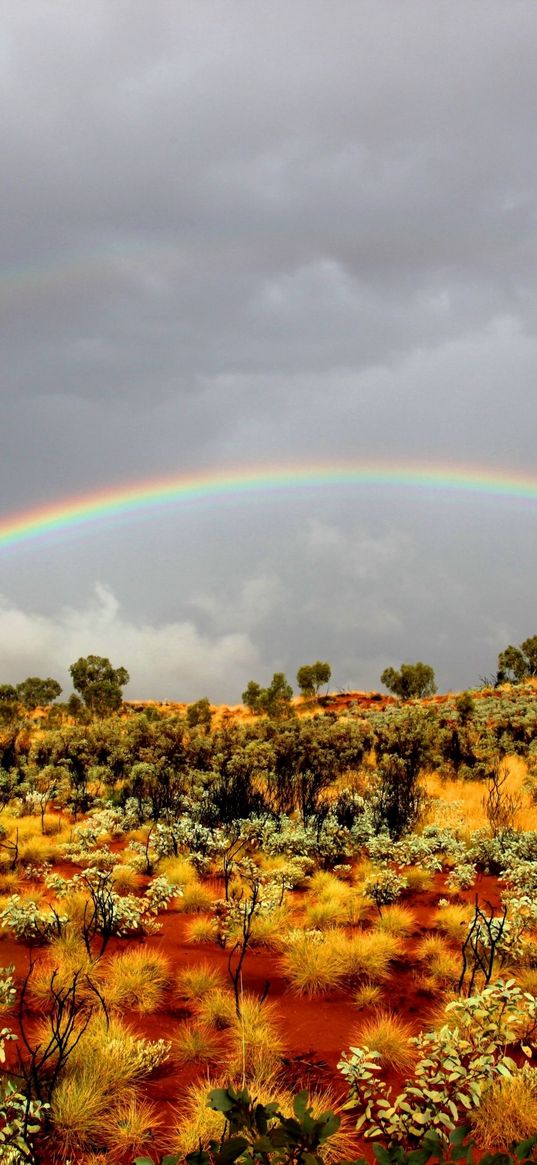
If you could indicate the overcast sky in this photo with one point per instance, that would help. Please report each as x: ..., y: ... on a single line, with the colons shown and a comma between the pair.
x: 247, y: 233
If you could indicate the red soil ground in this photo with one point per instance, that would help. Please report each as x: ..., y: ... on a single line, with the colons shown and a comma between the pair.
x: 314, y: 1032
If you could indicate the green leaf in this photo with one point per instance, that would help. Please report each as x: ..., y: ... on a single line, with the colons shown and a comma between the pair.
x: 231, y: 1149
x: 220, y: 1100
x: 300, y: 1104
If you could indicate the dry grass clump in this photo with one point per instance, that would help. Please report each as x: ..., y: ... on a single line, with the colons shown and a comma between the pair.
x: 442, y: 967
x: 125, y: 880
x: 368, y: 954
x: 312, y: 967
x: 508, y: 1111
x: 201, y: 930
x: 196, y: 1123
x: 179, y: 871
x: 193, y: 983
x: 527, y: 979
x: 137, y: 980
x: 268, y: 930
x: 367, y: 995
x: 102, y: 1074
x: 195, y: 899
x: 323, y: 914
x: 333, y: 903
x: 65, y: 958
x: 396, y: 920
x: 196, y: 1043
x: 388, y: 1035
x: 78, y: 906
x: 256, y: 1045
x: 9, y: 882
x: 217, y: 1009
x: 130, y: 1127
x: 418, y: 880
x: 453, y: 920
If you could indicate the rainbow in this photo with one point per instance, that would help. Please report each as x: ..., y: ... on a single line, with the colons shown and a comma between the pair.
x: 140, y: 497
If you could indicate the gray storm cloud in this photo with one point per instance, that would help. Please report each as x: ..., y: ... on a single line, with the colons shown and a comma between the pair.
x: 269, y: 234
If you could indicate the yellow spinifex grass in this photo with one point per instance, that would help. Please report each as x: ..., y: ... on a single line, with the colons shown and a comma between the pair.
x: 418, y: 880
x: 313, y: 968
x: 196, y: 1043
x: 388, y: 1035
x: 367, y: 954
x: 193, y: 983
x: 453, y: 920
x: 396, y: 920
x: 79, y: 1107
x: 507, y: 1112
x: 367, y: 995
x: 442, y: 966
x: 196, y: 899
x: 268, y: 930
x: 256, y: 1045
x: 179, y: 871
x: 201, y: 930
x: 137, y: 979
x: 102, y: 1073
x: 130, y: 1127
x: 65, y: 958
x: 217, y: 1009
x: 125, y: 880
x: 197, y: 1124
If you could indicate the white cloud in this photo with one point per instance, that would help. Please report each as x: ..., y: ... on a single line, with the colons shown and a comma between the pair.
x: 173, y: 660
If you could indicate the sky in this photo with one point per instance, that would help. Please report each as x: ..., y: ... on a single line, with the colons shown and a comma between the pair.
x: 248, y: 235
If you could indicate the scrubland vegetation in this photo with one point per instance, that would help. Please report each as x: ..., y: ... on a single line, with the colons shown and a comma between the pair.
x: 323, y: 915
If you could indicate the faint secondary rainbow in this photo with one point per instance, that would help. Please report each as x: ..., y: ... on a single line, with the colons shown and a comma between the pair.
x: 159, y: 494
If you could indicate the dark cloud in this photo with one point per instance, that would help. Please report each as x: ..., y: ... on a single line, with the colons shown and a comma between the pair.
x: 261, y: 234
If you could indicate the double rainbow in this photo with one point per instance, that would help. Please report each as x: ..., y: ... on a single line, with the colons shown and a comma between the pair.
x: 137, y: 498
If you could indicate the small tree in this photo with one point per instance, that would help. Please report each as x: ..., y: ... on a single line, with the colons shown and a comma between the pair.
x: 274, y: 701
x: 37, y: 693
x: 99, y: 684
x: 199, y: 715
x: 516, y: 664
x: 311, y: 676
x: 412, y: 680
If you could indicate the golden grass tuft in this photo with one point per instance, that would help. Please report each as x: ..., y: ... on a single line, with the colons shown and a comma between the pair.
x: 193, y: 983
x: 368, y: 954
x: 130, y: 1126
x: 179, y: 871
x: 508, y: 1111
x: 66, y: 957
x: 125, y: 880
x: 195, y: 899
x: 313, y: 968
x: 196, y: 1043
x: 453, y: 920
x: 256, y: 1045
x: 196, y: 1123
x: 388, y: 1035
x: 367, y: 995
x: 137, y: 980
x: 396, y: 920
x: 201, y: 930
x: 418, y: 880
x: 78, y: 1107
x: 268, y: 930
x: 217, y: 1009
x: 442, y: 966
